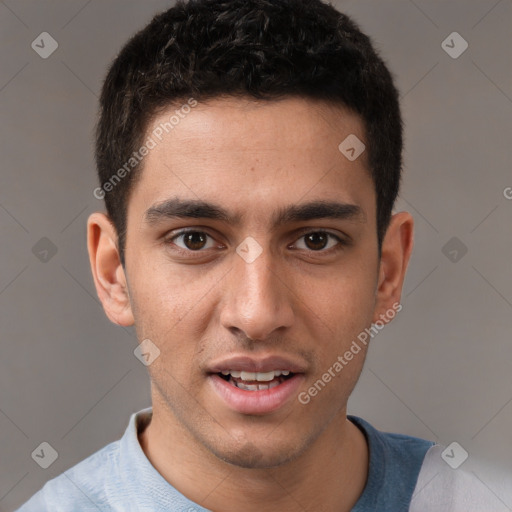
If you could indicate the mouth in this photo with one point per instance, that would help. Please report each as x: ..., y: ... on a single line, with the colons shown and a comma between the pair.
x: 255, y: 393
x: 255, y: 386
x: 255, y: 381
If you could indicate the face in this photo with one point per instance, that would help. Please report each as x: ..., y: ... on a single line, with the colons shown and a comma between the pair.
x: 252, y: 248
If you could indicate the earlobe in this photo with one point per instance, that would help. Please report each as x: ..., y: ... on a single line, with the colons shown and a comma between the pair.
x: 107, y: 270
x: 396, y: 252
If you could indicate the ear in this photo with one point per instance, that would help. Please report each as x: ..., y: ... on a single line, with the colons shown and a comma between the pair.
x: 108, y: 273
x: 396, y: 251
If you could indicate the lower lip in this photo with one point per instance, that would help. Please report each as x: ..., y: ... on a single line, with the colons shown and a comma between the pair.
x: 255, y: 402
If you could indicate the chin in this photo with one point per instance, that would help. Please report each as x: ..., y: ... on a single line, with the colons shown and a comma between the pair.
x: 250, y: 456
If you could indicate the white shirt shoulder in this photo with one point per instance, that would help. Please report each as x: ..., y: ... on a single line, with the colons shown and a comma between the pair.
x: 441, y: 488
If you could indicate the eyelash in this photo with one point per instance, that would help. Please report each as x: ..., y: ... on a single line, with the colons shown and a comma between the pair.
x: 341, y: 242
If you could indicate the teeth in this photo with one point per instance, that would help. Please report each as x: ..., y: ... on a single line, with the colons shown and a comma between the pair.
x: 248, y: 387
x: 266, y: 377
x: 268, y: 386
x: 254, y: 387
x: 256, y: 376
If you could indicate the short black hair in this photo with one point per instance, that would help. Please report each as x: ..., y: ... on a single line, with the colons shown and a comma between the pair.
x: 262, y: 49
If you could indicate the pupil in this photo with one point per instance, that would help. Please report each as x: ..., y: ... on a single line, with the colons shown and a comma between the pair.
x: 195, y: 240
x: 316, y: 240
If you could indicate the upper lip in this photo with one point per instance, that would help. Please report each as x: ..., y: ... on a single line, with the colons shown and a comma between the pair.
x: 258, y: 365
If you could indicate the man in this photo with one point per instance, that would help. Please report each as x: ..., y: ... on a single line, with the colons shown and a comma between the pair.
x: 249, y: 156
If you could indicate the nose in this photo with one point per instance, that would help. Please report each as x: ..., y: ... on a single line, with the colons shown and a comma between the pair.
x: 257, y: 299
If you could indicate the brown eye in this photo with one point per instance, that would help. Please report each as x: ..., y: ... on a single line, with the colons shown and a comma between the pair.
x: 319, y: 241
x: 316, y: 241
x: 192, y: 240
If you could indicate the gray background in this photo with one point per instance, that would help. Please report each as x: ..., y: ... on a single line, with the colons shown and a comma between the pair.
x: 440, y: 370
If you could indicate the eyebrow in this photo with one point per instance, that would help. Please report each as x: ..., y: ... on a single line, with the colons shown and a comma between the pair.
x: 198, y: 209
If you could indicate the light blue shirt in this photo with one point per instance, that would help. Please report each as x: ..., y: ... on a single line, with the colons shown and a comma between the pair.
x: 119, y: 477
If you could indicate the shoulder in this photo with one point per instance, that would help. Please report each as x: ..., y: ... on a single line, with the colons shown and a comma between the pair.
x: 82, y: 487
x: 400, y: 450
x: 395, y: 461
x: 445, y: 489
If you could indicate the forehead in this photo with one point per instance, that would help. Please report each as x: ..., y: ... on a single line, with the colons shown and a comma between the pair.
x: 254, y: 154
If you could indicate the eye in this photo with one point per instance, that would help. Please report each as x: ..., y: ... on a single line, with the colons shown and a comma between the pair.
x: 318, y: 241
x: 192, y: 240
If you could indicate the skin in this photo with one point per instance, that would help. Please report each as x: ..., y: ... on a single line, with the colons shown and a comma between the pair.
x: 253, y: 158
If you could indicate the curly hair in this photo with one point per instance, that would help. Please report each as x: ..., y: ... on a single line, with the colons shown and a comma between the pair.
x: 264, y: 49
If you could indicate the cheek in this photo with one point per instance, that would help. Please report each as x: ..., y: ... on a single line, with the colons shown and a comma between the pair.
x: 346, y: 311
x: 162, y: 295
x: 345, y: 302
x: 171, y: 309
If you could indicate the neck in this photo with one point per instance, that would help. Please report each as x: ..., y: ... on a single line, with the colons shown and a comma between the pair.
x: 329, y: 476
